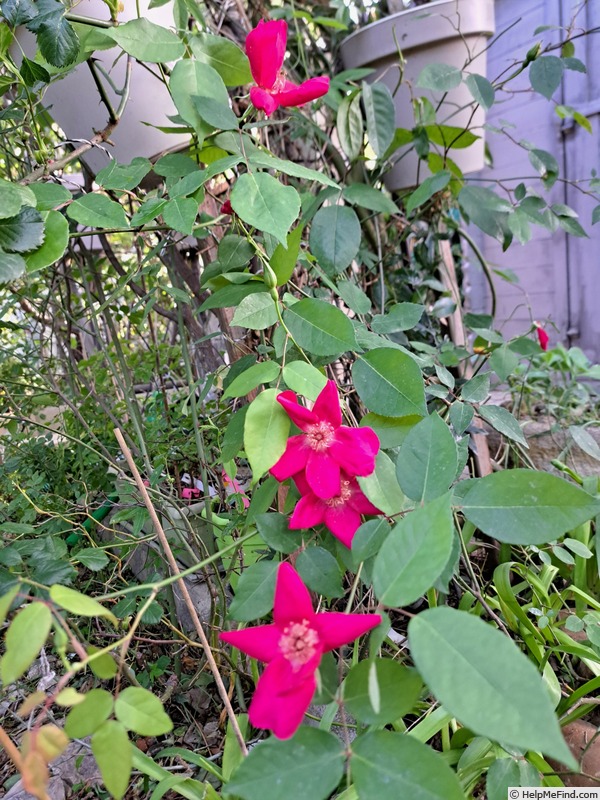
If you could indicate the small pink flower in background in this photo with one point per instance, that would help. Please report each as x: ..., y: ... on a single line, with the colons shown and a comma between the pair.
x: 340, y: 514
x: 190, y: 494
x: 543, y: 337
x: 292, y: 647
x: 265, y: 47
x: 325, y: 446
x: 235, y: 487
x: 226, y: 208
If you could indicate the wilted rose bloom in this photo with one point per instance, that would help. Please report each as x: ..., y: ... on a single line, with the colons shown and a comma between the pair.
x: 265, y: 47
x: 340, y: 514
x: 292, y: 647
x: 325, y: 446
x: 226, y: 207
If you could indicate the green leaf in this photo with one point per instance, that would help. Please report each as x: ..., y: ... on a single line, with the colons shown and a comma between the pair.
x: 232, y: 754
x: 17, y: 12
x: 439, y: 77
x: 263, y: 372
x: 502, y: 774
x: 97, y: 211
x: 399, y: 317
x: 79, y: 604
x: 585, y: 441
x: 274, y: 769
x: 429, y: 187
x: 24, y: 639
x: 103, y: 666
x: 47, y: 196
x: 255, y: 592
x: 389, y: 766
x: 522, y: 506
x: 545, y: 75
x: 415, y: 553
x: 113, y: 753
x: 427, y: 460
x: 283, y: 260
x: 175, y: 165
x: 304, y: 379
x: 233, y: 295
x: 87, y: 716
x: 476, y: 389
x: 261, y: 159
x: 354, y: 297
x: 398, y: 687
x: 320, y: 571
x: 56, y: 37
x: 146, y: 41
x: 142, y: 712
x: 320, y: 328
x: 257, y: 311
x: 223, y: 56
x: 13, y: 197
x: 368, y: 539
x: 217, y: 114
x: 12, y: 267
x: 189, y: 79
x: 504, y: 422
x: 6, y: 601
x: 450, y: 137
x: 486, y: 209
x: 461, y: 416
x: 266, y: 430
x: 56, y: 239
x: 380, y: 114
x: 360, y: 194
x: 390, y: 383
x: 23, y: 232
x: 274, y: 529
x: 124, y: 176
x: 180, y: 214
x: 234, y: 252
x: 32, y: 73
x: 350, y: 127
x: 335, y: 238
x: 487, y: 683
x: 92, y: 557
x: 265, y: 203
x: 382, y: 488
x: 148, y: 211
x: 481, y: 90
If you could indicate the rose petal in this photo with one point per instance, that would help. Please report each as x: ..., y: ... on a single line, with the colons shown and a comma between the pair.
x: 261, y: 642
x: 280, y: 712
x: 263, y: 100
x: 355, y: 449
x: 265, y: 48
x: 299, y: 415
x: 343, y: 522
x: 309, y: 511
x: 298, y: 95
x: 323, y: 474
x: 293, y: 460
x: 327, y: 405
x: 361, y: 502
x: 302, y: 483
x: 292, y: 598
x: 336, y: 629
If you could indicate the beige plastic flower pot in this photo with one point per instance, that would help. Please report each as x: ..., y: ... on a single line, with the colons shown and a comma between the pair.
x: 445, y: 32
x: 75, y: 104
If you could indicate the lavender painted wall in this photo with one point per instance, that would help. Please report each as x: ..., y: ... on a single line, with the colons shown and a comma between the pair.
x: 559, y: 275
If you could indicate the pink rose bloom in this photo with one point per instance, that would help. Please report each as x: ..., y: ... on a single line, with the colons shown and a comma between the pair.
x: 543, y: 337
x: 325, y: 446
x: 265, y: 47
x: 292, y: 648
x: 340, y: 514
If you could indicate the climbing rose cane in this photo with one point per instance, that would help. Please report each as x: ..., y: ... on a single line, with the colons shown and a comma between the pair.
x: 265, y: 46
x: 292, y: 647
x: 340, y: 514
